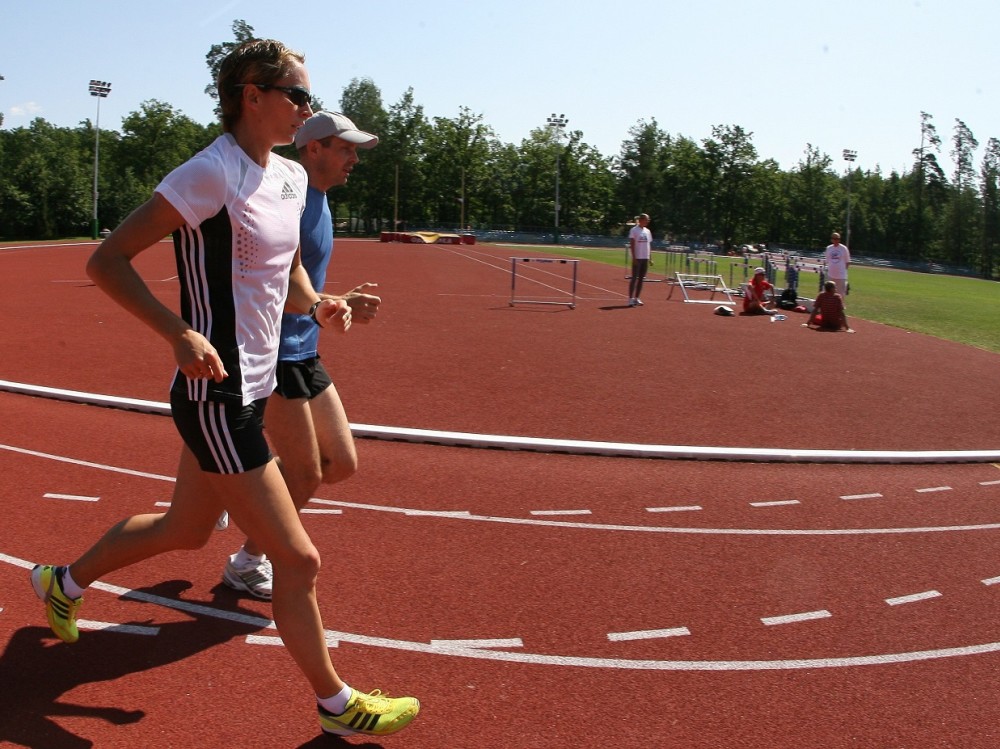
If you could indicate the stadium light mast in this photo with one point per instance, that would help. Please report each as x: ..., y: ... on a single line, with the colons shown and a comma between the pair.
x: 100, y: 89
x: 849, y: 157
x: 558, y: 124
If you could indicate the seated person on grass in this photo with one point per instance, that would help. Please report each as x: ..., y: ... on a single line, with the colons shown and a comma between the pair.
x: 828, y: 310
x: 753, y: 295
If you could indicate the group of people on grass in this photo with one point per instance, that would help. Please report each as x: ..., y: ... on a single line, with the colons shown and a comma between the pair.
x: 828, y: 312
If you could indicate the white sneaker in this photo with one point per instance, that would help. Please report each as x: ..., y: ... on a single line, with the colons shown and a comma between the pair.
x: 256, y: 580
x: 223, y: 522
x: 638, y: 302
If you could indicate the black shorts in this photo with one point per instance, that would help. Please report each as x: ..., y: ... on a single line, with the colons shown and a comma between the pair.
x: 302, y: 379
x: 225, y: 437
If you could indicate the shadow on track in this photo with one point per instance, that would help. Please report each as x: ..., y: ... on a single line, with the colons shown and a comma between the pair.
x: 44, y: 669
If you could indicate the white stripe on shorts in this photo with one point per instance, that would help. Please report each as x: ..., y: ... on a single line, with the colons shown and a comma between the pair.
x: 215, y: 428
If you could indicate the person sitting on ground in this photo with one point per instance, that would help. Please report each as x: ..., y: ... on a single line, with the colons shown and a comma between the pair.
x: 828, y: 310
x: 753, y: 297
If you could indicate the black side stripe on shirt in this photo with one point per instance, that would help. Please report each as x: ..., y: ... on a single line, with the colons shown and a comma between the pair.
x: 191, y: 254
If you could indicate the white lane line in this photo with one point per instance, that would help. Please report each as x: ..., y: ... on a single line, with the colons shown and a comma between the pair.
x: 900, y: 600
x: 331, y: 641
x: 438, y: 513
x: 989, y: 483
x: 930, y: 489
x: 129, y: 629
x: 317, y: 511
x: 74, y: 497
x: 680, y: 508
x: 777, y: 503
x: 873, y: 495
x: 513, y: 642
x: 560, y: 512
x: 648, y: 634
x: 991, y: 581
x: 806, y: 616
x: 557, y: 660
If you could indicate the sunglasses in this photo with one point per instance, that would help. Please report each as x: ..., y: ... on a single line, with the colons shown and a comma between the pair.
x: 296, y: 94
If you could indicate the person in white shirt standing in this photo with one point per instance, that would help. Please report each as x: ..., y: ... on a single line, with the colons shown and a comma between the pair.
x: 838, y: 260
x: 640, y: 239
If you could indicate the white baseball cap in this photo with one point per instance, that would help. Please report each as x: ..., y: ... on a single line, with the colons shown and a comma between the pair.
x: 324, y: 124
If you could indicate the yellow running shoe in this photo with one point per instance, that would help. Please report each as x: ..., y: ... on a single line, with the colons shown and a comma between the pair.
x: 59, y: 608
x: 373, y: 714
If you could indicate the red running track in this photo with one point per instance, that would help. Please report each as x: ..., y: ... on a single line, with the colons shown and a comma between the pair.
x: 529, y: 600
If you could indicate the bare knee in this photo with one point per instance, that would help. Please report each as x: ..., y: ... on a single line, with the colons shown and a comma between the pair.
x: 297, y: 569
x: 335, y: 471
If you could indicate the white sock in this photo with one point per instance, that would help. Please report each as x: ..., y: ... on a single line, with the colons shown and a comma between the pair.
x: 69, y: 586
x: 338, y: 702
x: 244, y: 560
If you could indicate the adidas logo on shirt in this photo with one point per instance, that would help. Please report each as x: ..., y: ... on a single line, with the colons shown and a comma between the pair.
x: 288, y: 192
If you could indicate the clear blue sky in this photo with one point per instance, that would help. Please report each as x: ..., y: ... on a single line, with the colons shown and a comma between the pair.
x: 846, y: 74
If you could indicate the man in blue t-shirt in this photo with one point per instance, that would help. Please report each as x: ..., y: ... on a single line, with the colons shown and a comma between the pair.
x: 305, y: 418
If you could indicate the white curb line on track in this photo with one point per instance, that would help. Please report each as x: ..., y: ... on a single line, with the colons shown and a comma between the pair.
x: 578, y: 447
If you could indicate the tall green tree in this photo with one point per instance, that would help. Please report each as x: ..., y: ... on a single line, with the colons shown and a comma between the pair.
x: 962, y: 212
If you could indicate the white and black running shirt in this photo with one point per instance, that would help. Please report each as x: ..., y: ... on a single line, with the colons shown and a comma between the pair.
x: 234, y: 254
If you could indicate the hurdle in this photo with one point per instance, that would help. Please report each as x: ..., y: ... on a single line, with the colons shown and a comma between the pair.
x: 544, y: 260
x: 712, y: 284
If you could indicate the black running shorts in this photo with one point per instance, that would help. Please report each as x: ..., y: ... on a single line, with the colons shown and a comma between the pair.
x: 302, y: 379
x: 224, y: 437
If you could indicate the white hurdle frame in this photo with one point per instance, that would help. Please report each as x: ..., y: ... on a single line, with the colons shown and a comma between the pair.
x: 513, y: 280
x: 715, y: 284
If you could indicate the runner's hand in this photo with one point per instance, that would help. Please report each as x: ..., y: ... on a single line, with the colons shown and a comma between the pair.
x: 197, y: 359
x: 334, y: 314
x: 364, y: 306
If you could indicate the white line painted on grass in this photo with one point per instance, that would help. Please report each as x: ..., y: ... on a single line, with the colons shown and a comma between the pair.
x: 648, y: 634
x: 73, y: 497
x: 806, y: 616
x: 914, y: 598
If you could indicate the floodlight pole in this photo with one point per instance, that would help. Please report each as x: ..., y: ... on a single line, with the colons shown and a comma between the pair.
x: 849, y: 157
x: 558, y: 124
x: 100, y: 89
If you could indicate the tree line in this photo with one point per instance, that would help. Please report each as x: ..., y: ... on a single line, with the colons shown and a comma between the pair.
x: 454, y: 173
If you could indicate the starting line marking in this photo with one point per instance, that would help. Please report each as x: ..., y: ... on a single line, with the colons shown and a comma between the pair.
x: 648, y: 634
x: 74, y: 497
x: 561, y: 512
x: 900, y: 600
x: 513, y: 642
x: 807, y: 616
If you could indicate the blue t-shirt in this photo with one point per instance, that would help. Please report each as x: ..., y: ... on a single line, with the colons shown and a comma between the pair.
x: 299, y: 334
